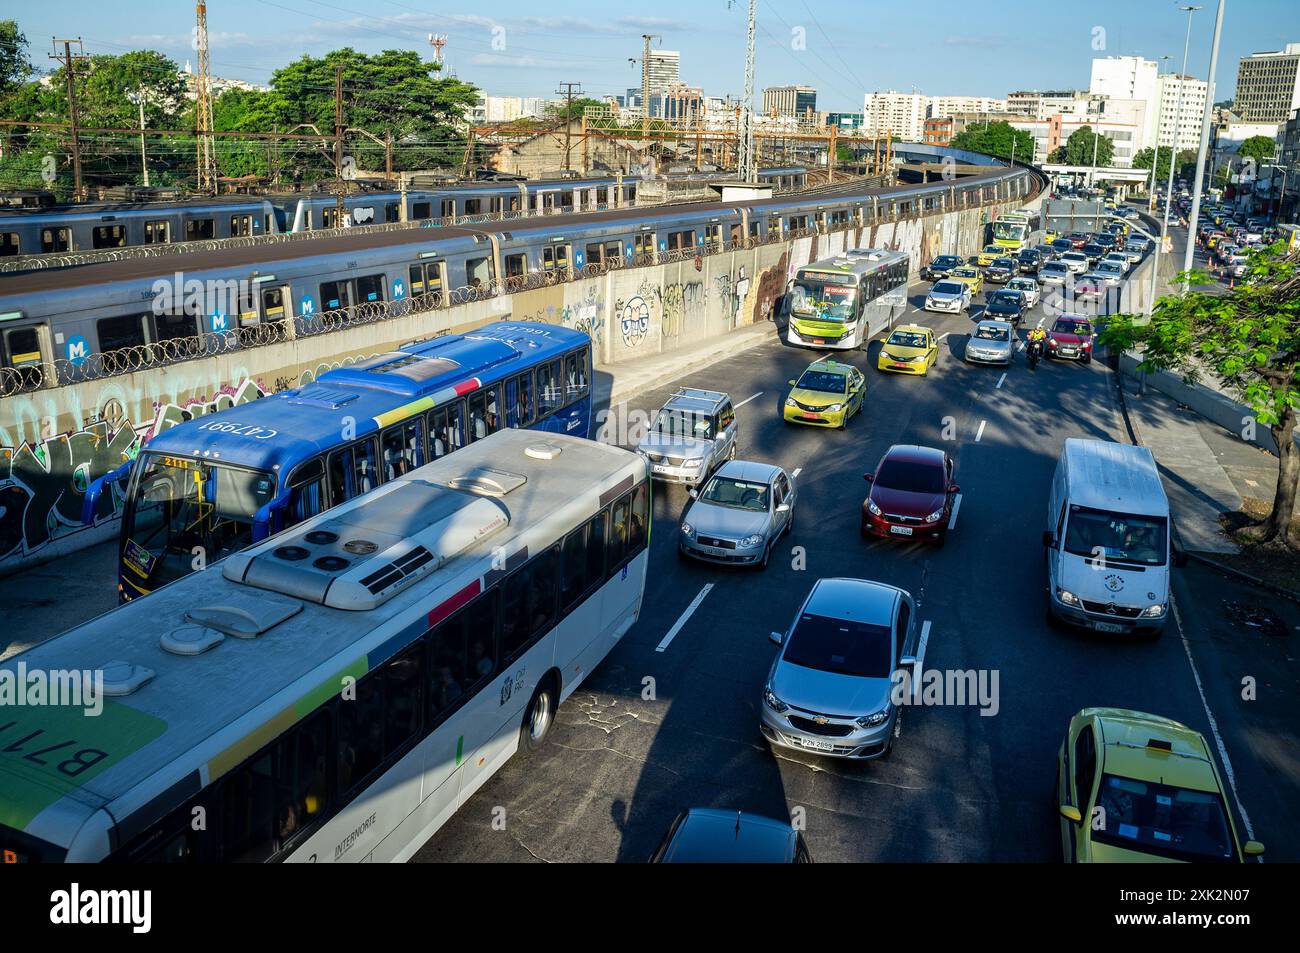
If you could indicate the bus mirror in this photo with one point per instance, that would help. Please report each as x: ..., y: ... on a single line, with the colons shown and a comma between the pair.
x: 94, y: 492
x: 266, y: 515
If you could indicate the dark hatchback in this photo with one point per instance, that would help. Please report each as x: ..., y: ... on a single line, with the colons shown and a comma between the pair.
x: 941, y: 266
x: 1028, y: 261
x: 1001, y: 270
x: 1094, y: 252
x: 709, y: 836
x: 1005, y: 305
x: 911, y: 494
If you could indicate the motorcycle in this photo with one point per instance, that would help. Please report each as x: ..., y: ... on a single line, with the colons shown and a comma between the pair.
x: 1034, y: 352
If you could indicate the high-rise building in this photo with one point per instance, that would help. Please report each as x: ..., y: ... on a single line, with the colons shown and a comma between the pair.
x: 1040, y: 105
x: 664, y: 66
x: 894, y: 113
x: 940, y: 107
x: 1180, y: 112
x: 789, y: 101
x: 1268, y: 85
x: 1129, y: 78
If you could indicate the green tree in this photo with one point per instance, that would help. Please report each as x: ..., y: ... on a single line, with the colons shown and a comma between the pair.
x: 996, y: 139
x: 1144, y: 158
x: 14, y: 67
x: 1078, y: 149
x: 1249, y: 341
x: 556, y: 111
x: 1257, y: 149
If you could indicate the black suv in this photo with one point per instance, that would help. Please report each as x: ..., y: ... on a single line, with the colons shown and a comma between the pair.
x: 942, y: 266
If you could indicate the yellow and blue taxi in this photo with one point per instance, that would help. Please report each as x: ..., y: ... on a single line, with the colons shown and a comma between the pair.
x: 826, y: 394
x: 1139, y: 788
x: 970, y: 275
x: 909, y: 349
x: 985, y: 257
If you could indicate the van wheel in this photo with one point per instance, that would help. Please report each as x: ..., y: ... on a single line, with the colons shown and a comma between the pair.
x: 732, y: 454
x: 539, y: 716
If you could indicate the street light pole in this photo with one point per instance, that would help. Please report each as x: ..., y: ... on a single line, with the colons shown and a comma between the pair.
x: 1205, y: 146
x: 1155, y: 156
x: 1173, y: 154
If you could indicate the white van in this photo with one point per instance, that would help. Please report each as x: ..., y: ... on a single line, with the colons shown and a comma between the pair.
x: 1108, y: 539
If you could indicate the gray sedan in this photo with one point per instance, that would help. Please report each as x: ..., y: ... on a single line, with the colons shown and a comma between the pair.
x: 738, y: 515
x: 991, y: 343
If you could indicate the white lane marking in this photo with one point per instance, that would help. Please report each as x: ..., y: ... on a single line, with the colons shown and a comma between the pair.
x: 998, y: 385
x: 681, y: 621
x: 797, y: 471
x: 919, y: 671
x: 748, y: 399
x: 944, y: 335
x: 980, y: 433
x: 1214, y: 725
x: 956, y: 505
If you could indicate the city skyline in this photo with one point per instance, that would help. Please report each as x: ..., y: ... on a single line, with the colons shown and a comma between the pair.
x: 803, y: 43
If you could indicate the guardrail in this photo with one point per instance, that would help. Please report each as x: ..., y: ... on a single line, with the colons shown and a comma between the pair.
x: 114, y: 363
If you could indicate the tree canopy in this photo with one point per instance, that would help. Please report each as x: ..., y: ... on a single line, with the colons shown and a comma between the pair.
x: 1078, y: 149
x: 996, y: 139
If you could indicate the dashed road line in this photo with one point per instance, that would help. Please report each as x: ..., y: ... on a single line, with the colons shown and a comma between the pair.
x: 797, y: 471
x: 980, y: 433
x: 748, y: 399
x: 920, y: 659
x: 998, y: 385
x: 956, y: 505
x: 683, y: 618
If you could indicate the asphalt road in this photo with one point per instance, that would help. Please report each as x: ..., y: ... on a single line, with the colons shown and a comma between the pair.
x: 623, y: 759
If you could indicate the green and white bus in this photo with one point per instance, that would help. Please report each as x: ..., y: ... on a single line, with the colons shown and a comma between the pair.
x: 840, y: 303
x: 337, y: 691
x: 1017, y: 230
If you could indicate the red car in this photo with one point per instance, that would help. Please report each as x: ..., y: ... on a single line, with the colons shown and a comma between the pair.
x: 1077, y: 240
x: 1070, y: 337
x: 911, y: 494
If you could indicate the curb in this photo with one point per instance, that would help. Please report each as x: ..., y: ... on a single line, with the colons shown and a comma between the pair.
x: 617, y: 393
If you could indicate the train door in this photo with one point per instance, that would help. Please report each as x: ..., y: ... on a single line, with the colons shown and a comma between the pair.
x: 241, y: 226
x: 447, y: 209
x: 644, y: 245
x: 158, y: 232
x: 55, y: 239
x: 21, y: 355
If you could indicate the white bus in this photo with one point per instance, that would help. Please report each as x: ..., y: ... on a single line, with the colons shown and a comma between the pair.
x: 841, y: 302
x: 337, y: 691
x: 1017, y: 230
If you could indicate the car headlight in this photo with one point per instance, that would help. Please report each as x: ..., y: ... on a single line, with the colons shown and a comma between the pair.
x: 774, y: 703
x: 935, y: 516
x: 875, y: 718
x: 1067, y: 597
x: 693, y: 462
x: 1153, y: 612
x: 833, y: 408
x: 755, y: 540
x: 871, y: 505
x: 688, y: 530
x: 790, y: 402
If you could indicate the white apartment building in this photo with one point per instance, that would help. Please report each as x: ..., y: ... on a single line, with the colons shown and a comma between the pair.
x: 1180, y: 112
x: 940, y: 107
x: 1129, y: 78
x: 664, y: 67
x: 894, y: 113
x: 1040, y: 105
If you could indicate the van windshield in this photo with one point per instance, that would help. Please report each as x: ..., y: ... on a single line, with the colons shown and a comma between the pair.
x: 1117, y: 537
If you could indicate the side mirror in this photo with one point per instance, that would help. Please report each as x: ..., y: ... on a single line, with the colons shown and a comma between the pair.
x: 783, y: 508
x: 954, y: 488
x: 776, y: 637
x: 869, y: 477
x: 694, y: 493
x: 1071, y: 813
x: 1252, y: 848
x: 1049, y: 540
x: 791, y: 383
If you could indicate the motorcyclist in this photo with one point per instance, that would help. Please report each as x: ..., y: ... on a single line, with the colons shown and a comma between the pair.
x: 1034, y: 341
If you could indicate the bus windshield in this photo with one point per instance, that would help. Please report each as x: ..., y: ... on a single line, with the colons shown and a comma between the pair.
x: 824, y: 300
x: 177, y: 504
x: 1009, y: 231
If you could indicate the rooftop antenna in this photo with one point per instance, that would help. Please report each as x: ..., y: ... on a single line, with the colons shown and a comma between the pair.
x: 437, y: 41
x: 207, y: 147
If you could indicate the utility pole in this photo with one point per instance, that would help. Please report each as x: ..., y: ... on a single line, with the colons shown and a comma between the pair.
x: 207, y: 146
x: 144, y: 161
x: 67, y: 59
x: 1205, y: 145
x: 568, y: 115
x: 748, y: 161
x: 338, y: 145
x: 1173, y: 154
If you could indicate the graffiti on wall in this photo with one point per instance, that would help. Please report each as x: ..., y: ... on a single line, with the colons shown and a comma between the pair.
x: 587, y: 314
x: 680, y: 301
x: 633, y: 320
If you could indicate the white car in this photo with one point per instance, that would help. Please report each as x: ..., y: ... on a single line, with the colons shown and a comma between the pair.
x: 1118, y: 258
x: 1076, y: 261
x: 1111, y: 273
x: 947, y: 295
x: 1055, y: 273
x: 1027, y: 287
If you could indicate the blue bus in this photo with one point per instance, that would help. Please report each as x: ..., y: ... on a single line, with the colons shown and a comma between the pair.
x: 211, y: 486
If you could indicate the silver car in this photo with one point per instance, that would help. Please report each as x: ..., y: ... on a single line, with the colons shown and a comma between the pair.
x: 1055, y: 273
x: 991, y: 343
x: 1109, y: 272
x: 948, y: 296
x: 831, y: 687
x: 736, y: 518
x: 692, y: 434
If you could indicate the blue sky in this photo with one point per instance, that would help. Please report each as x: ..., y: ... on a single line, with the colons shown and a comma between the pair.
x: 523, y: 48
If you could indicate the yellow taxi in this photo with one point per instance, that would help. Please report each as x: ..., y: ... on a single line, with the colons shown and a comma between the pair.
x: 910, y: 349
x: 826, y: 394
x: 990, y: 252
x: 1139, y: 788
x: 970, y: 275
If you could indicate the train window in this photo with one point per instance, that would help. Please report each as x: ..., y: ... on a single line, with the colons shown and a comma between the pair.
x: 416, y: 274
x: 169, y: 327
x: 473, y: 206
x: 516, y: 265
x: 478, y: 272
x: 681, y: 240
x: 550, y: 388
x: 335, y: 295
x: 644, y: 244
x: 519, y: 401
x: 108, y: 236
x: 614, y: 254
x: 241, y: 226
x: 494, y: 204
x: 555, y: 258
x: 306, y: 492
x: 713, y: 236
x: 123, y: 331
x: 575, y: 376
x: 602, y: 195
x: 56, y: 239
x: 446, y: 430
x: 370, y: 288
x: 329, y: 217
x: 755, y: 229
x: 448, y: 208
x: 596, y: 254
x: 157, y: 232
x: 10, y: 243
x: 420, y: 211
x: 403, y: 448
x: 22, y: 351
x: 199, y: 229
x: 392, y: 212
x: 274, y: 304
x: 484, y: 412
x: 774, y: 225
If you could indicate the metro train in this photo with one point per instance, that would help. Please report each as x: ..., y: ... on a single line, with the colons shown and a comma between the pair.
x: 100, y: 318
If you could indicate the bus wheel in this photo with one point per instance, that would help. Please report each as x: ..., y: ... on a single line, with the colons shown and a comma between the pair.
x: 538, y: 718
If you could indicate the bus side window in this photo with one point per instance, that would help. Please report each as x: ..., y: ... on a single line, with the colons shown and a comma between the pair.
x: 307, y: 492
x: 445, y: 429
x: 463, y: 654
x: 640, y: 517
x: 341, y: 484
x: 549, y: 397
x: 575, y: 376
x: 403, y: 448
x: 595, y: 551
x: 524, y: 407
x: 528, y: 603
x: 301, y: 777
x: 367, y: 473
x: 484, y: 412
x: 403, y: 699
x: 616, y: 547
x: 574, y: 571
x: 248, y: 811
x: 360, y: 732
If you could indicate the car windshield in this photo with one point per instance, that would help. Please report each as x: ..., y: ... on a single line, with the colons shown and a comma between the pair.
x: 907, y: 339
x: 824, y: 300
x: 1003, y: 263
x: 841, y: 646
x: 1162, y: 819
x: 1072, y: 326
x: 1062, y: 244
x: 991, y: 332
x: 684, y: 423
x: 1021, y: 284
x: 965, y: 273
x: 911, y: 476
x: 822, y: 381
x: 740, y: 494
x: 1110, y: 266
x: 177, y: 504
x: 1116, y: 537
x: 947, y: 261
x: 1054, y: 266
x: 948, y: 287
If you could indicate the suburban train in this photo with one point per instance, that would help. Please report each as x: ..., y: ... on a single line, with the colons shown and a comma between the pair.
x: 100, y: 226
x: 101, y: 318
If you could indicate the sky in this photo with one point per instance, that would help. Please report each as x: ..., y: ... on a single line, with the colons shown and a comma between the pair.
x: 523, y: 48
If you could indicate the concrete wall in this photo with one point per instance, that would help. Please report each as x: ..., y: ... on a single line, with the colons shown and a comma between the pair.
x: 53, y: 443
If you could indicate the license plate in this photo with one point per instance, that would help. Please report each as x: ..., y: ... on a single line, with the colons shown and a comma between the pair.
x: 659, y: 468
x: 1107, y: 627
x: 819, y: 340
x: 901, y: 530
x: 816, y: 744
x: 809, y: 417
x: 899, y: 367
